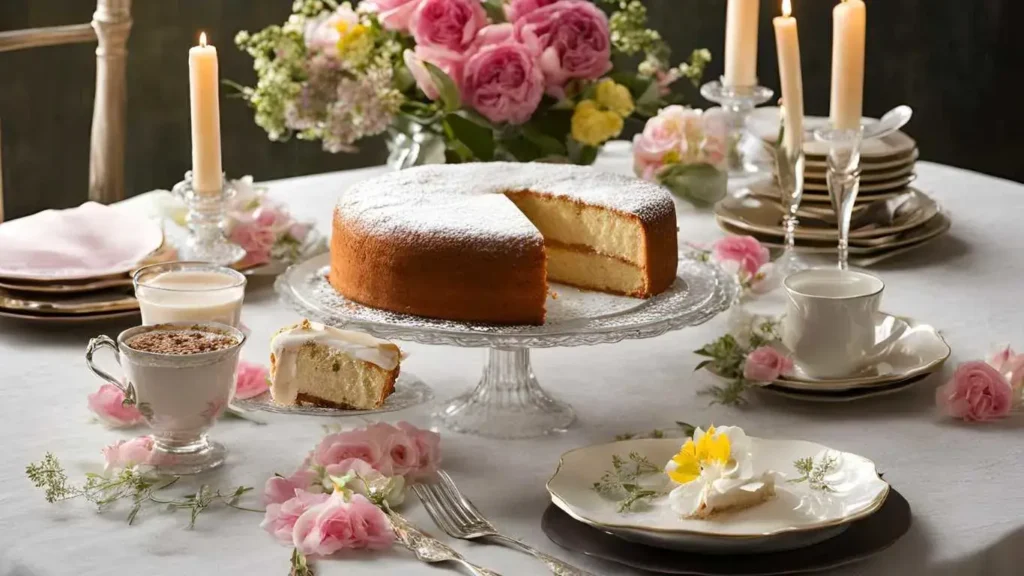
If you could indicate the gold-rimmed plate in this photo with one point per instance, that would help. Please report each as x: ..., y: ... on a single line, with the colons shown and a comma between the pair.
x: 60, y: 319
x: 114, y: 300
x: 166, y: 253
x: 798, y: 516
x: 867, y: 188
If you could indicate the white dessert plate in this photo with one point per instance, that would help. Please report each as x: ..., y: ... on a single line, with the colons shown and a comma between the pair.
x: 843, y: 396
x: 797, y: 516
x: 409, y: 391
x: 920, y: 350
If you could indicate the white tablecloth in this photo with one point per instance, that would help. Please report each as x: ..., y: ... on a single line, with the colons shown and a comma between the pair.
x: 965, y: 483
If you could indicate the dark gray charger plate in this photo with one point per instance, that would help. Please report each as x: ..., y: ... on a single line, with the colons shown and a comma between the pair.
x: 861, y: 540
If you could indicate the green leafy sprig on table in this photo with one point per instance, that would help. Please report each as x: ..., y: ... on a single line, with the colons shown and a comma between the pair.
x: 685, y: 429
x: 137, y: 485
x: 622, y: 482
x: 725, y: 358
x: 816, y: 474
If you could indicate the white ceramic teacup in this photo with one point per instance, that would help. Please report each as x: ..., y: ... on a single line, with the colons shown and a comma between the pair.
x: 830, y: 321
x: 180, y: 396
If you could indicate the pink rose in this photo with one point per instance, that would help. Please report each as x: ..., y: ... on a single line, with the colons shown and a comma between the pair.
x: 339, y: 525
x: 251, y: 380
x: 299, y: 231
x: 337, y: 451
x: 400, y: 455
x: 448, y: 25
x: 766, y: 364
x: 428, y: 446
x: 268, y: 215
x: 977, y: 392
x: 745, y: 251
x: 280, y: 517
x: 571, y: 39
x: 1010, y: 365
x: 422, y: 76
x: 108, y: 404
x: 395, y: 14
x: 279, y: 489
x: 255, y: 239
x: 516, y: 9
x: 679, y: 135
x: 503, y: 83
x: 128, y: 453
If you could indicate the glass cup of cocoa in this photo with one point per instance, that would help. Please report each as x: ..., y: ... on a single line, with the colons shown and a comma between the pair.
x: 181, y: 377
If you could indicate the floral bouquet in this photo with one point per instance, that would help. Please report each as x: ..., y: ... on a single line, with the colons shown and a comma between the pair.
x: 265, y: 228
x: 519, y: 80
x: 685, y: 150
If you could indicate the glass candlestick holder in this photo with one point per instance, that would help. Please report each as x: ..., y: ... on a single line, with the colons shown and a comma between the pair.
x: 789, y: 172
x: 843, y: 179
x: 206, y: 241
x: 738, y: 102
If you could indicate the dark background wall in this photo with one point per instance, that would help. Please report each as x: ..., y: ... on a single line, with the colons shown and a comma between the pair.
x: 951, y: 60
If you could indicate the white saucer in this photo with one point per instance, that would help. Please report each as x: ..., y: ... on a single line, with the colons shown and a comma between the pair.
x: 920, y: 350
x: 841, y: 396
x: 798, y: 516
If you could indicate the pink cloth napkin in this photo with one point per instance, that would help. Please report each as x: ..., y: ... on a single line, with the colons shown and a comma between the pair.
x: 84, y: 242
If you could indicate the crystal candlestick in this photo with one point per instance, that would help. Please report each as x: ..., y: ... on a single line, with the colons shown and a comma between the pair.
x: 789, y: 171
x: 206, y: 211
x: 843, y: 179
x: 738, y: 102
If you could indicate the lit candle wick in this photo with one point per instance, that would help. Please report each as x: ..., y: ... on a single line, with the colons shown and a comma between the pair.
x: 202, y: 38
x: 787, y: 8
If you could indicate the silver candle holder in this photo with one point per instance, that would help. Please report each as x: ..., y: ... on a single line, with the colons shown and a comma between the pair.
x: 738, y: 102
x: 789, y: 172
x: 843, y: 177
x: 206, y: 241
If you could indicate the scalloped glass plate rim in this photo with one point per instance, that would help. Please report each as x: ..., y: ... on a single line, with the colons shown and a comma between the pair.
x: 408, y: 384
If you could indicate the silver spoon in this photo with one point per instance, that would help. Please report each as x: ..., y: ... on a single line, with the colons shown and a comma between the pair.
x: 892, y: 121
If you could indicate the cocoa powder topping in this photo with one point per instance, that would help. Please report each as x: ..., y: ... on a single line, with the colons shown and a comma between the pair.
x: 181, y: 342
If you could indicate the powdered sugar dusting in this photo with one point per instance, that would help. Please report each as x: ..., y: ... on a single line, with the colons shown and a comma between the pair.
x: 465, y: 201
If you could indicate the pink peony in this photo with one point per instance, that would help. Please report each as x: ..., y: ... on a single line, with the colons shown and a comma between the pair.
x: 255, y: 238
x: 976, y: 393
x: 279, y: 489
x: 448, y: 25
x: 280, y: 517
x: 503, y: 83
x: 339, y: 525
x: 428, y: 447
x: 766, y: 364
x: 108, y: 404
x: 516, y: 9
x: 395, y: 14
x: 128, y: 453
x: 744, y: 251
x: 571, y: 39
x: 251, y: 380
x: 336, y: 452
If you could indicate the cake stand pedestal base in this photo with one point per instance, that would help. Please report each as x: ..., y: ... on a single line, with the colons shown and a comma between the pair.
x: 508, y: 402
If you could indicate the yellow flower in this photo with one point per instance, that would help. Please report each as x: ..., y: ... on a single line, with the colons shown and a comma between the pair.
x: 614, y: 97
x: 354, y: 42
x: 692, y: 458
x: 593, y: 126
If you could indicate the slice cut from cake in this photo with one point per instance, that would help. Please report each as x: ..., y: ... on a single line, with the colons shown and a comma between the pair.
x: 319, y: 365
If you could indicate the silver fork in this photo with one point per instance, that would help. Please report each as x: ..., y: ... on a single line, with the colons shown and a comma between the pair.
x: 459, y: 518
x: 429, y: 549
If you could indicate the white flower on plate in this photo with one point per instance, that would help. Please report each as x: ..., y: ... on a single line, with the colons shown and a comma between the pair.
x: 714, y: 471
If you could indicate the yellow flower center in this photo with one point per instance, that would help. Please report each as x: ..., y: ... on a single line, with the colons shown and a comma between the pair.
x: 354, y: 42
x: 712, y: 448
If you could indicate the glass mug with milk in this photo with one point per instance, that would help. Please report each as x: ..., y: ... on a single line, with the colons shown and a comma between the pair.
x: 832, y: 322
x: 189, y: 292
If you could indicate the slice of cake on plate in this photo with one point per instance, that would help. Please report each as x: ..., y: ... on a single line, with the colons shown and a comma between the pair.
x: 714, y: 472
x: 319, y: 365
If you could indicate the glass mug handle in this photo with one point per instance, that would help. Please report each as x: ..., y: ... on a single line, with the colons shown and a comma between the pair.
x: 94, y: 346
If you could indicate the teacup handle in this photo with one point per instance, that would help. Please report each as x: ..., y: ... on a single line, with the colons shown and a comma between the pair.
x: 94, y: 346
x: 883, y: 347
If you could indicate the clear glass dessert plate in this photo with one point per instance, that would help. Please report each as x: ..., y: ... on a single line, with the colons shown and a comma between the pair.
x: 508, y: 402
x: 409, y: 391
x: 574, y: 317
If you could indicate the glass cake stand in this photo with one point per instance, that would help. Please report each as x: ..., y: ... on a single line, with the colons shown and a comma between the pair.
x: 508, y: 402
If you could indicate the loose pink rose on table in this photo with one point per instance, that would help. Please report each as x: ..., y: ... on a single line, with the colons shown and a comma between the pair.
x: 745, y: 251
x: 400, y: 453
x: 449, y: 25
x: 571, y: 40
x: 279, y: 489
x: 280, y: 517
x: 337, y: 451
x: 337, y: 524
x: 428, y: 446
x: 1010, y: 365
x: 976, y: 393
x: 108, y: 404
x: 503, y: 83
x: 251, y: 380
x: 395, y: 14
x: 128, y: 453
x: 766, y: 364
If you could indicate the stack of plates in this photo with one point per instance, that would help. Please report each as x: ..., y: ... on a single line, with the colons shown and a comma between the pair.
x: 803, y: 528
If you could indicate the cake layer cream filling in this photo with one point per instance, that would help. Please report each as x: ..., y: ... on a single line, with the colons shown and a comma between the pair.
x: 287, y: 343
x: 564, y: 221
x: 570, y: 265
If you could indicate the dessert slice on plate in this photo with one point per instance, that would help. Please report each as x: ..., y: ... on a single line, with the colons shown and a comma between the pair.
x: 313, y: 364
